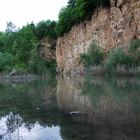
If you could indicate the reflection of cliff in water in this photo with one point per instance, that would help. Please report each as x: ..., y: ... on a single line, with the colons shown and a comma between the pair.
x: 107, y: 105
x: 78, y: 107
x: 32, y: 107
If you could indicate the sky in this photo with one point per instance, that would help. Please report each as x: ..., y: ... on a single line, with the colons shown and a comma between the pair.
x: 21, y: 12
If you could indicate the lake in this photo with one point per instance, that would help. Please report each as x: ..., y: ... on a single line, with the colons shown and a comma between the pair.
x: 70, y: 108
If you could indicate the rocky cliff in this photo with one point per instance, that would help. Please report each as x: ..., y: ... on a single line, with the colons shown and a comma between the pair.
x: 114, y: 27
x: 48, y: 49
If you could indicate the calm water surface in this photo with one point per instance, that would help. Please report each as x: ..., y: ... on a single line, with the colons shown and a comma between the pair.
x: 71, y: 108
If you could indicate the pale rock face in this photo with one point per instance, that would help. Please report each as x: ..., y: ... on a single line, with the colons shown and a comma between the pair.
x: 114, y: 27
x: 46, y: 51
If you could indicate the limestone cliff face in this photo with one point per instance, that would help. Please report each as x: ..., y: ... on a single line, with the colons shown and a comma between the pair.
x: 114, y: 27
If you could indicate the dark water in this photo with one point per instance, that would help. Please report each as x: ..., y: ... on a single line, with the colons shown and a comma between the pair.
x: 71, y: 108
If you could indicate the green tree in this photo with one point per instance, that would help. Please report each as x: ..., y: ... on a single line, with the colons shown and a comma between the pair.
x: 6, y: 61
x: 72, y: 3
x: 10, y: 28
x: 46, y: 29
x: 94, y: 56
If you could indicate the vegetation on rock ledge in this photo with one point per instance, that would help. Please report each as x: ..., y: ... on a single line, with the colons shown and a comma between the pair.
x: 117, y: 60
x: 77, y: 11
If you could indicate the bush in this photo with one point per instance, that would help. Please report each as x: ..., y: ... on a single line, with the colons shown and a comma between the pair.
x: 85, y: 59
x: 137, y: 58
x: 6, y: 61
x: 20, y: 67
x: 45, y: 29
x: 134, y: 50
x: 134, y: 45
x: 38, y: 65
x: 118, y: 57
x: 95, y: 54
x: 93, y: 57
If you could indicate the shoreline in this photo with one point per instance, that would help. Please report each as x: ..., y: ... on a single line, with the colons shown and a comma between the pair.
x: 18, y: 77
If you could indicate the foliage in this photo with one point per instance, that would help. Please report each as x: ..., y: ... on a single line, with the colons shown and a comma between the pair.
x: 45, y: 29
x: 10, y: 28
x: 6, y: 61
x: 134, y: 45
x: 77, y: 11
x: 116, y: 60
x: 134, y: 50
x: 137, y: 57
x: 93, y: 57
x: 85, y: 59
x: 118, y: 57
x: 95, y: 54
x: 20, y: 49
x: 67, y: 18
x: 38, y: 65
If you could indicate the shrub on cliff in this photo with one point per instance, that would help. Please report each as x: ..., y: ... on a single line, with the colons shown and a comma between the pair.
x: 134, y: 45
x: 134, y: 50
x: 87, y: 7
x: 94, y: 56
x: 67, y: 18
x: 77, y: 11
x: 118, y: 57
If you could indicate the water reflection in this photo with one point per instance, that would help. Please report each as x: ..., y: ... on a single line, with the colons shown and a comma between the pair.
x: 110, y: 105
x: 13, y: 128
x: 71, y: 108
x: 29, y: 111
x: 23, y: 111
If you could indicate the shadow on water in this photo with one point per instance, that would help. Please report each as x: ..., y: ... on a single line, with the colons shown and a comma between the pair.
x: 70, y: 108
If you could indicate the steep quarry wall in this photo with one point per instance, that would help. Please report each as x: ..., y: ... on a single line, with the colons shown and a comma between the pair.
x: 114, y: 27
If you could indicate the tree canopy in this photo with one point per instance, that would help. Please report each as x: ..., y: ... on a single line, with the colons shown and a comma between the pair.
x: 77, y: 11
x: 20, y: 48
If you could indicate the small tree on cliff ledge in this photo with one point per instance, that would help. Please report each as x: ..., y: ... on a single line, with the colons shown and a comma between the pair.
x: 94, y: 56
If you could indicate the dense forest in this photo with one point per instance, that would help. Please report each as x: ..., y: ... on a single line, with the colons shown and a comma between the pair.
x: 19, y: 48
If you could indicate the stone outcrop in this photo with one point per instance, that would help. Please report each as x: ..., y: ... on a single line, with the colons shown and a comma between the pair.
x: 114, y: 27
x: 48, y: 49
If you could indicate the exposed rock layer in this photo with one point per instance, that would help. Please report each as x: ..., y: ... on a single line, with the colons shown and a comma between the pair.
x: 48, y: 49
x: 114, y: 27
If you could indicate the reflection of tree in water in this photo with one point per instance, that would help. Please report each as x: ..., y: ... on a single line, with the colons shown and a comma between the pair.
x: 119, y: 89
x: 23, y: 101
x: 111, y: 105
x: 19, y: 105
x: 13, y: 122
